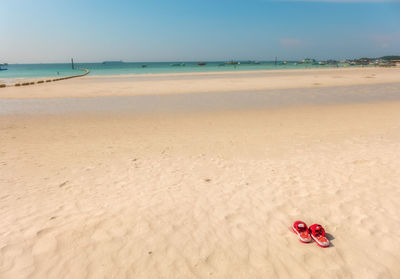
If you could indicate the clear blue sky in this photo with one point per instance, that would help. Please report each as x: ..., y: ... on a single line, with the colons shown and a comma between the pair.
x: 186, y: 30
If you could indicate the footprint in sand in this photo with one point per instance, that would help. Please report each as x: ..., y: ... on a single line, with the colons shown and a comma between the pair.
x: 45, y: 242
x: 63, y: 184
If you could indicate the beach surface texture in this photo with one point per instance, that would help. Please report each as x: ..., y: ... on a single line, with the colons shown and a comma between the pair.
x: 201, y: 175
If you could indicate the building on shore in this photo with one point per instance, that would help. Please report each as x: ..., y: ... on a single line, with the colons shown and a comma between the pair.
x: 396, y: 62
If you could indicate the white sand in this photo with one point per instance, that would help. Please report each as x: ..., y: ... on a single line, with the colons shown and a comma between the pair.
x: 201, y: 194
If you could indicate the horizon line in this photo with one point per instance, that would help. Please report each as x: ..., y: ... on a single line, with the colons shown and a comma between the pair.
x: 196, y: 61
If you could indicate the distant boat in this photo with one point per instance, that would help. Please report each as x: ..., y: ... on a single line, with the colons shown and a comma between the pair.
x: 249, y: 62
x: 202, y: 63
x: 112, y: 62
x: 3, y: 67
x: 307, y: 61
x: 177, y: 64
x: 144, y: 66
x: 233, y: 63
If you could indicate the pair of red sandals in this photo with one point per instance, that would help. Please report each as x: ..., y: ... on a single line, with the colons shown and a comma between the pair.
x: 306, y: 235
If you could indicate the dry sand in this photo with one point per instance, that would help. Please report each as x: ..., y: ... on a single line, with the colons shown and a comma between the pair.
x: 201, y: 194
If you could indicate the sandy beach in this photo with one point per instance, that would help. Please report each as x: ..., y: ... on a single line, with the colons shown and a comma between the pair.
x: 201, y: 175
x: 212, y: 82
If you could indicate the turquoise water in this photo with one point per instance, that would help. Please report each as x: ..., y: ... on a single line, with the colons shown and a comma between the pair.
x: 54, y: 70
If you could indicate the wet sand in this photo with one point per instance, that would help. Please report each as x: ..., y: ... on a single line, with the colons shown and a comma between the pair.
x: 189, y: 83
x: 195, y: 102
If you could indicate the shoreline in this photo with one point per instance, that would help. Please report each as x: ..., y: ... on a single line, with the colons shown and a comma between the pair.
x: 240, y: 72
x: 243, y: 68
x: 186, y: 83
x: 205, y: 73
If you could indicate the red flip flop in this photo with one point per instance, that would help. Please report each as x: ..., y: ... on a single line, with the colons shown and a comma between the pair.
x: 318, y: 234
x: 300, y: 228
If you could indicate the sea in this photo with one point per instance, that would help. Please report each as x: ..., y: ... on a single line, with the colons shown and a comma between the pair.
x: 23, y: 71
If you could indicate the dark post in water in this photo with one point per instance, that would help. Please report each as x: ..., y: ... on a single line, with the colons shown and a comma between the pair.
x: 72, y: 63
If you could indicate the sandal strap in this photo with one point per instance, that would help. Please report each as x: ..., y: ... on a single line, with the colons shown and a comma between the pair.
x: 317, y: 230
x: 300, y: 226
